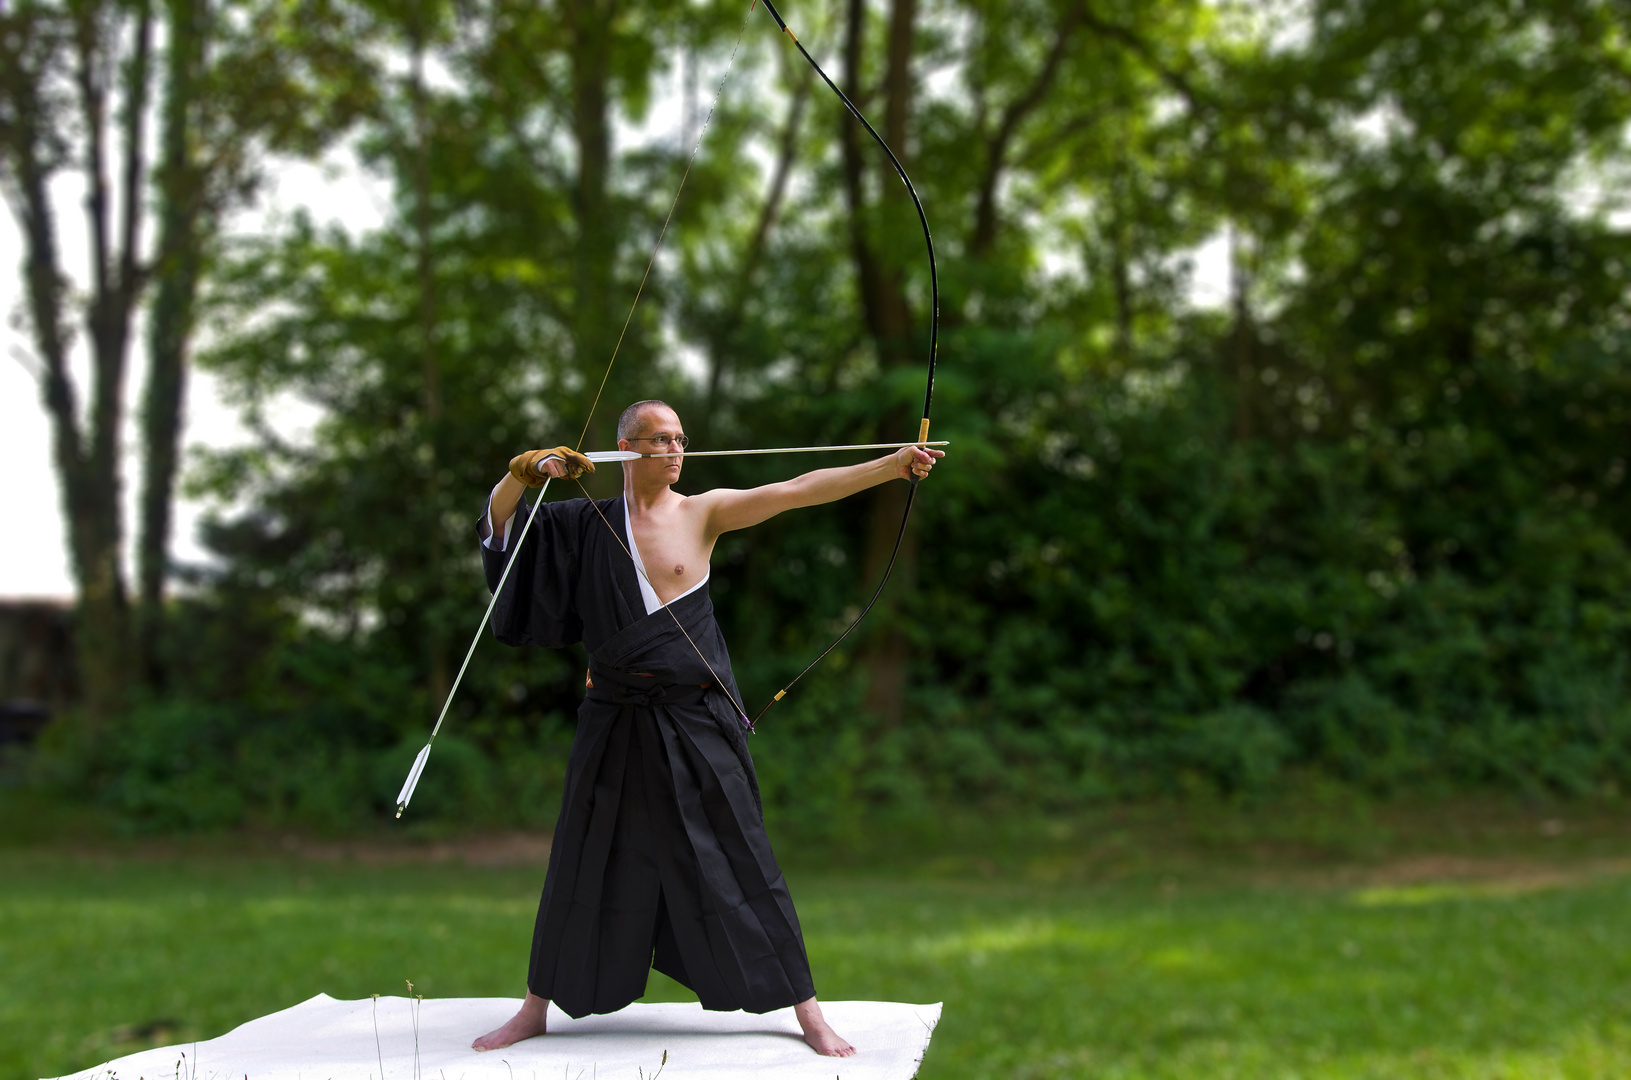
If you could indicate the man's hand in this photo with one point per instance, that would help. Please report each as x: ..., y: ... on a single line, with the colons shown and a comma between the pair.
x: 916, y: 461
x: 532, y: 467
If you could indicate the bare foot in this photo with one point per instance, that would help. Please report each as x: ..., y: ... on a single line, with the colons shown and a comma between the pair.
x: 530, y: 1020
x: 822, y: 1039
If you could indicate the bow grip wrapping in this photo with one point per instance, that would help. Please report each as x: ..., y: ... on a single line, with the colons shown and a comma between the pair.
x: 922, y: 439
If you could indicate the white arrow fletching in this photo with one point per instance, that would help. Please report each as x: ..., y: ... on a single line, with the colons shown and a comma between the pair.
x: 412, y: 781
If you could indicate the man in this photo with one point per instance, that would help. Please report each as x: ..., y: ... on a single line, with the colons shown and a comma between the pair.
x: 660, y: 856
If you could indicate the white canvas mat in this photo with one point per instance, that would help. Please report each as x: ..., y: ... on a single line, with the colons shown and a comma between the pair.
x: 326, y: 1039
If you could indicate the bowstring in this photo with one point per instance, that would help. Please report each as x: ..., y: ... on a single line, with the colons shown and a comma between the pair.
x: 662, y: 234
x: 593, y: 405
x: 640, y: 289
x: 641, y: 570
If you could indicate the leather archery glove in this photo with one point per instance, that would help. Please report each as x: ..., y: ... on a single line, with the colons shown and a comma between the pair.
x: 524, y: 467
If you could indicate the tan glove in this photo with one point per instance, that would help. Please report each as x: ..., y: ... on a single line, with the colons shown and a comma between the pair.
x: 524, y: 467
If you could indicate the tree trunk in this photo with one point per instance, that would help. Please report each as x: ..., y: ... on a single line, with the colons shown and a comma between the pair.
x: 594, y: 248
x: 888, y: 318
x: 91, y: 481
x: 33, y: 44
x: 102, y: 49
x: 883, y: 300
x: 180, y: 256
x: 1242, y: 337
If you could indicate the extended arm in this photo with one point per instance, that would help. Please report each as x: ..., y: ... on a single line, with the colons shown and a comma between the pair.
x: 729, y: 509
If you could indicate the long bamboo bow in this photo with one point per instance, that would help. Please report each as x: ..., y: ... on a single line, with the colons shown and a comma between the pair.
x: 620, y: 455
x: 934, y: 343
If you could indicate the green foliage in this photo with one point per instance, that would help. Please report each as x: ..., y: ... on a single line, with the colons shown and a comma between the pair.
x: 1367, y: 520
x: 173, y: 767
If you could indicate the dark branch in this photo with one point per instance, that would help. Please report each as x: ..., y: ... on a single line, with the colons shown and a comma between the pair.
x: 996, y: 150
x: 93, y: 104
x: 787, y: 151
x: 31, y: 49
x: 135, y: 125
x: 1176, y: 80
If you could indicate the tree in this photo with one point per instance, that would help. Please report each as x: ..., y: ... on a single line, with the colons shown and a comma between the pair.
x: 78, y: 91
x: 478, y: 323
x: 1367, y: 518
x: 84, y: 70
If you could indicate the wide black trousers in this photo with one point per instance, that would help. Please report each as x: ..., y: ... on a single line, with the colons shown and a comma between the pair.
x: 661, y: 860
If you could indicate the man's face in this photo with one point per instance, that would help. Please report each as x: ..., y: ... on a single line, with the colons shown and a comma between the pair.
x: 656, y: 433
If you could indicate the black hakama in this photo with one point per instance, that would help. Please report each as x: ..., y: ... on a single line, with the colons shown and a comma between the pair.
x: 660, y: 857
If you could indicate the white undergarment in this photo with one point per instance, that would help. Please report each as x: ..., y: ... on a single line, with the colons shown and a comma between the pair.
x: 498, y: 539
x: 647, y: 593
x: 500, y: 535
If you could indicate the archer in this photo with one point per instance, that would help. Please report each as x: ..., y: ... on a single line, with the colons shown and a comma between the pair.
x: 660, y: 858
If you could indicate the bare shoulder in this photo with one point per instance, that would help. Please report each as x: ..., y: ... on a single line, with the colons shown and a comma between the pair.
x: 729, y: 509
x: 704, y: 502
x: 704, y: 506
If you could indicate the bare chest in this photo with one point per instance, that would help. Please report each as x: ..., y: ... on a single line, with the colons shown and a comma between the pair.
x: 674, y: 552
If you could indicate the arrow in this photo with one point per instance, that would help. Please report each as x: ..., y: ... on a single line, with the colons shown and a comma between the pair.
x: 598, y: 456
x: 412, y: 781
x: 424, y: 755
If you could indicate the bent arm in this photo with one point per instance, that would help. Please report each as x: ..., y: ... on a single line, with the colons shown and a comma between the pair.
x: 506, y: 497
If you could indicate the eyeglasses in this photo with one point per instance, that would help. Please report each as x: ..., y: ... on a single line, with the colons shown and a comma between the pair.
x: 663, y: 438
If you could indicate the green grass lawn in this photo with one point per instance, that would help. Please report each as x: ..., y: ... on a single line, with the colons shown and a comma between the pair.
x: 1093, y: 953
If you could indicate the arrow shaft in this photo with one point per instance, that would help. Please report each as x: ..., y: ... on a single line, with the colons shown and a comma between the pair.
x: 631, y: 455
x: 424, y: 755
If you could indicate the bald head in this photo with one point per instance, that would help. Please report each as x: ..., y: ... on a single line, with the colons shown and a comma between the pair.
x: 628, y: 425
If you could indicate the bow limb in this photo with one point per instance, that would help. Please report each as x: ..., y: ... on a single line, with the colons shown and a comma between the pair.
x: 419, y: 762
x: 934, y: 343
x: 922, y: 217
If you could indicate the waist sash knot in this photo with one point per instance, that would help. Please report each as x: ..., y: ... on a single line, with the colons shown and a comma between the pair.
x: 628, y: 688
